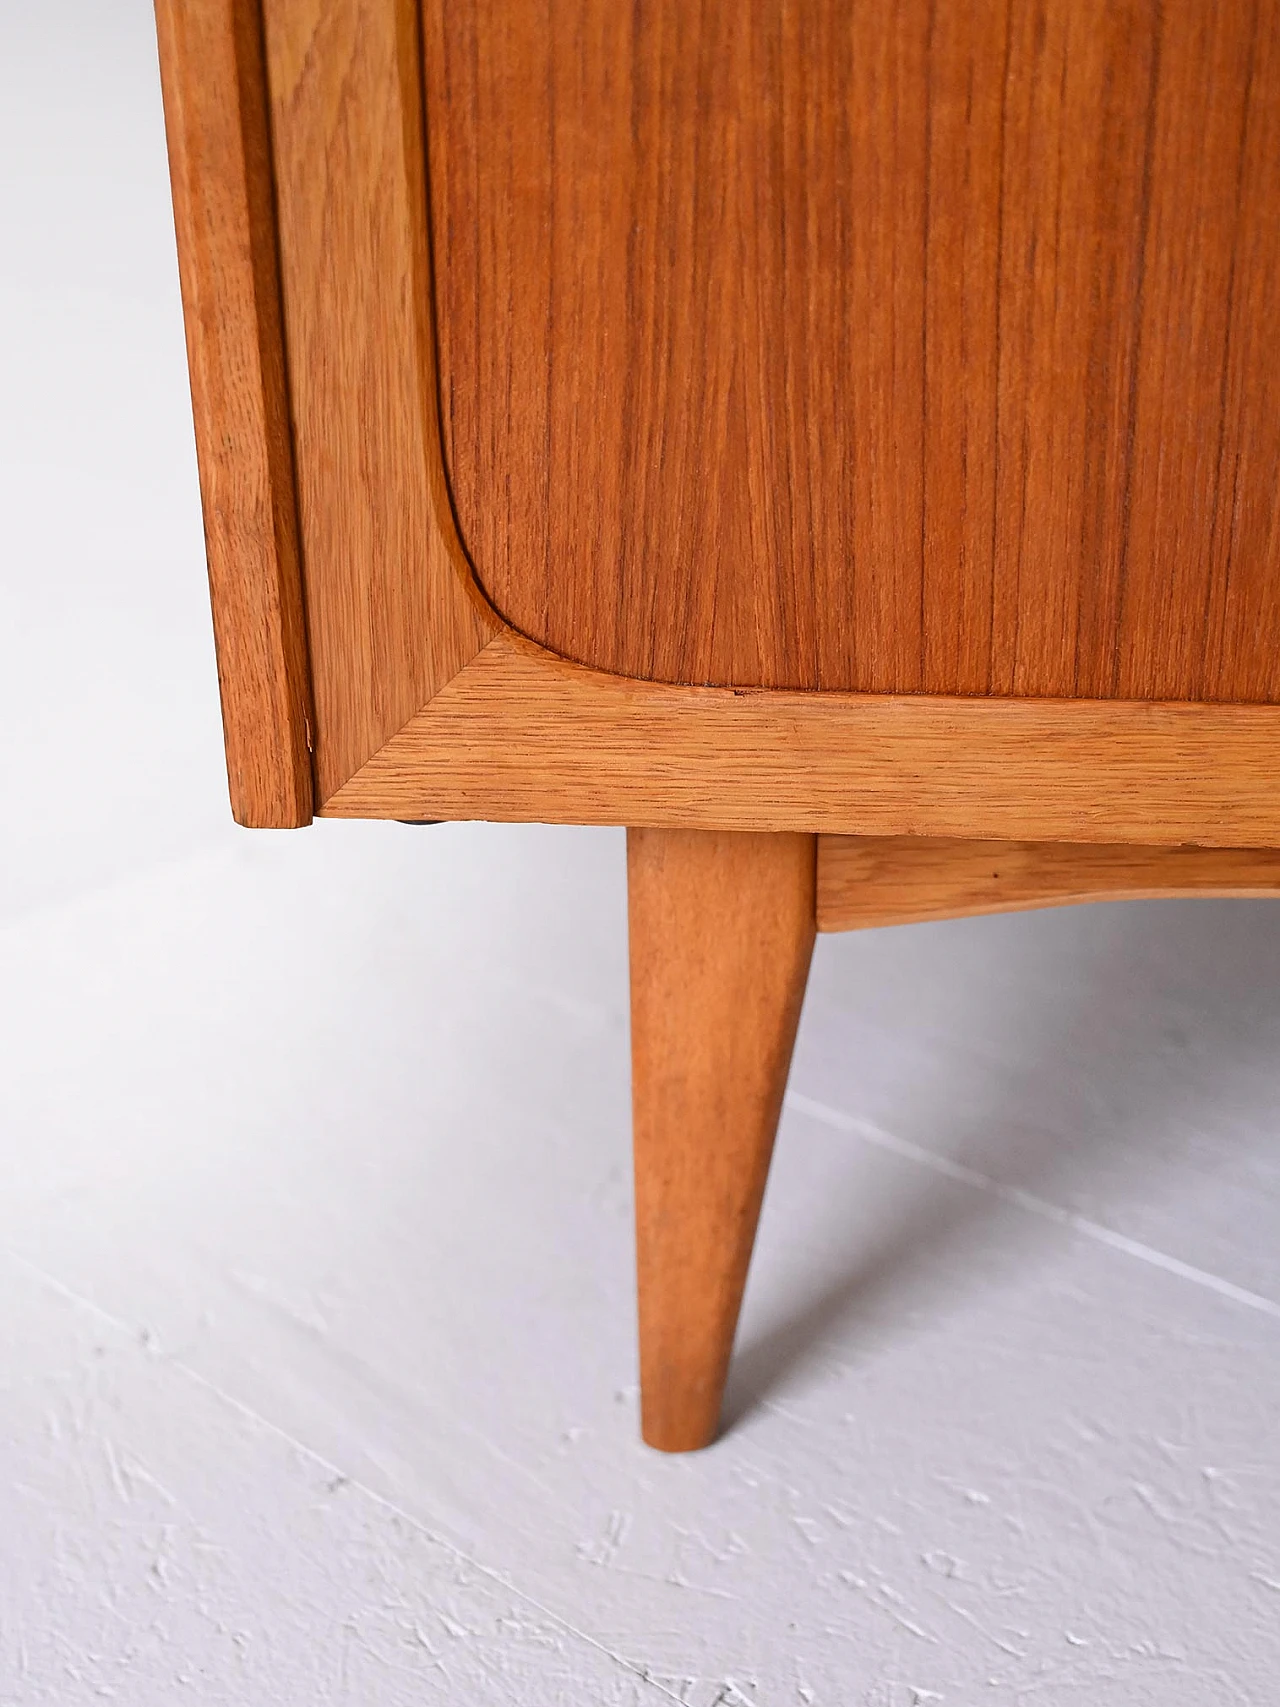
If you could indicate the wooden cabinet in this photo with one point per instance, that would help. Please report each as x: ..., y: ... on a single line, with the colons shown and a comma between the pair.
x: 840, y: 441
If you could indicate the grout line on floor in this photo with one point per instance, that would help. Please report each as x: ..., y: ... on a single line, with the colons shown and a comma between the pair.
x: 143, y: 1337
x: 872, y: 1134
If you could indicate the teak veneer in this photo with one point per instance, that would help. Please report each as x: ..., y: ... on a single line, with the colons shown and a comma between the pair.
x: 840, y: 444
x: 939, y: 338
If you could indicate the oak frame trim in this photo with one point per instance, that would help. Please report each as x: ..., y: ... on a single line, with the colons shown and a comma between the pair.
x: 510, y: 731
x: 522, y: 735
x: 868, y: 881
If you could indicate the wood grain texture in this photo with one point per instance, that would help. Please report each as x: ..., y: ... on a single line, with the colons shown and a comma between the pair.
x: 417, y: 717
x: 868, y: 347
x: 219, y: 162
x: 520, y: 734
x: 721, y: 930
x: 899, y: 880
x: 391, y: 607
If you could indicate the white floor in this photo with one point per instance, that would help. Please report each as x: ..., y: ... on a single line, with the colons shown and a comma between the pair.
x: 316, y: 1379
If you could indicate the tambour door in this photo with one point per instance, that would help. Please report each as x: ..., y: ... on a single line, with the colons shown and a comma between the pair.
x: 867, y: 344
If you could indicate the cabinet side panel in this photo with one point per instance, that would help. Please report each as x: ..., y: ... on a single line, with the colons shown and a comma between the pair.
x: 891, y: 348
x: 216, y: 121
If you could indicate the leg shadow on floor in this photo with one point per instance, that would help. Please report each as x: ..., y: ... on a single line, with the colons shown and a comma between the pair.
x: 1093, y: 1059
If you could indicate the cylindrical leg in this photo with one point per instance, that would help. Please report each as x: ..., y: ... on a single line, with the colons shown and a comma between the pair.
x: 722, y: 928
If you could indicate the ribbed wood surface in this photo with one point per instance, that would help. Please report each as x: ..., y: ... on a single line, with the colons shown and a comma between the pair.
x: 869, y: 346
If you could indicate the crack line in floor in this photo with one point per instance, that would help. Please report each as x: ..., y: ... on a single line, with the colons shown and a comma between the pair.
x: 872, y: 1134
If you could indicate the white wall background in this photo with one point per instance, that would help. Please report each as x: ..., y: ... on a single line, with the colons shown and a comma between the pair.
x: 316, y: 1379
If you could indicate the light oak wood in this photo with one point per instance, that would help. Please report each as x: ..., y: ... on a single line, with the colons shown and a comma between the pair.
x: 392, y: 610
x: 520, y: 734
x: 898, y: 880
x: 220, y: 167
x: 859, y: 346
x: 722, y: 929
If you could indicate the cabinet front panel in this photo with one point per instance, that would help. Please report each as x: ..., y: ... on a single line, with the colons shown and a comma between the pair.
x: 864, y: 345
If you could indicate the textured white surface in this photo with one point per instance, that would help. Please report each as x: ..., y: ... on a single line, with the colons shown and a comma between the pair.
x: 317, y: 1379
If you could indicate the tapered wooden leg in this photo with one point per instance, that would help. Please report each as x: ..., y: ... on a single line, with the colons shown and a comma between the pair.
x: 722, y: 929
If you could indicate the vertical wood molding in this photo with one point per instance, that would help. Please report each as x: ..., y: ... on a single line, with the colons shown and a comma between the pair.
x: 392, y: 610
x: 520, y: 734
x: 220, y: 164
